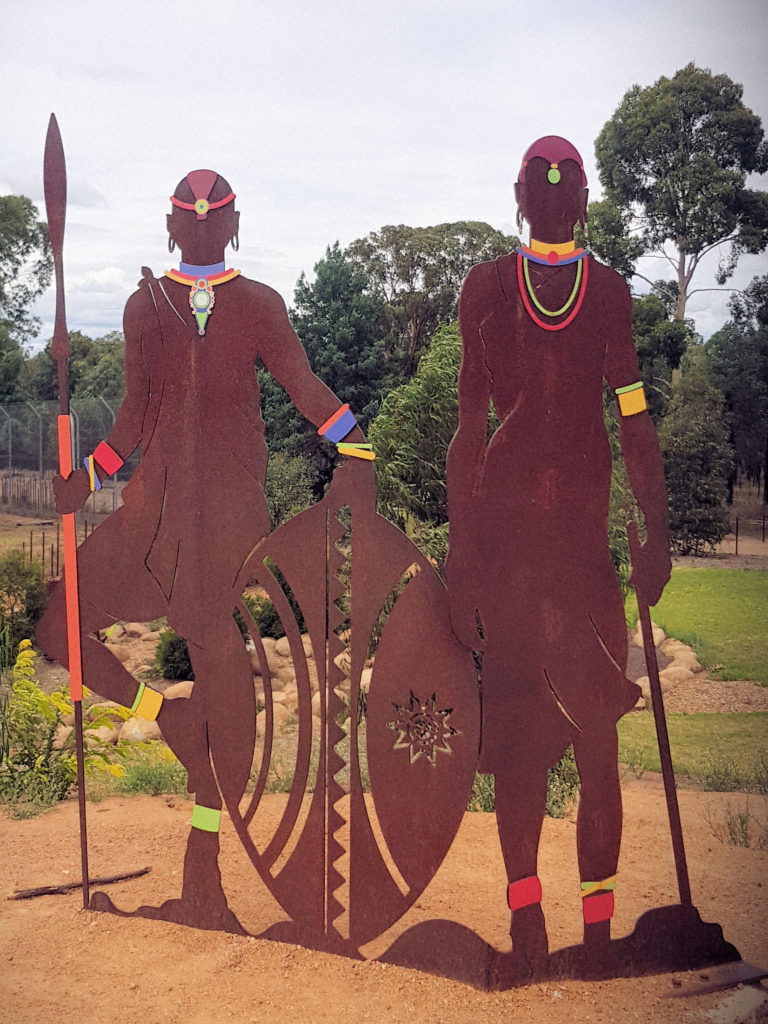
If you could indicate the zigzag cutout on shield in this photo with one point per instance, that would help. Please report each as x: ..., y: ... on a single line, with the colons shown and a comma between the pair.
x: 398, y: 715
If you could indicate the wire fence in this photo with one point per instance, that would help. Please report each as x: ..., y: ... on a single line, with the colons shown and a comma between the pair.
x: 29, y: 453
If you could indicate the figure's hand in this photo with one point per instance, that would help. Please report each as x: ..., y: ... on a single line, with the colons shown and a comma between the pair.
x: 71, y: 492
x: 358, y: 477
x: 651, y: 565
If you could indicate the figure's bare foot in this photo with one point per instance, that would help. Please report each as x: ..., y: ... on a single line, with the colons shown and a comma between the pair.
x: 529, y: 933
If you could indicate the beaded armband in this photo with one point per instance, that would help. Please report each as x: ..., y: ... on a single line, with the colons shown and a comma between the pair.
x: 147, y: 703
x: 600, y: 904
x: 339, y: 426
x: 106, y: 458
x: 632, y: 399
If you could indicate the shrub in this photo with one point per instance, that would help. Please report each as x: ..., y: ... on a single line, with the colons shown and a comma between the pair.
x: 562, y: 785
x: 172, y: 656
x: 153, y: 769
x: 22, y: 595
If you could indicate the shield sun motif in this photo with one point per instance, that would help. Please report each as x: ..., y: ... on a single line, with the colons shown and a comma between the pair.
x: 398, y: 715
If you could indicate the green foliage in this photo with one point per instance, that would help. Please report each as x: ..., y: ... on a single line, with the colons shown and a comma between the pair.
x: 721, y: 613
x: 171, y: 657
x: 22, y: 594
x: 265, y: 616
x: 738, y: 356
x: 562, y: 785
x: 698, y: 459
x: 152, y: 768
x: 703, y: 745
x: 739, y: 827
x: 673, y: 160
x: 419, y: 272
x: 288, y: 488
x: 661, y: 343
x: 411, y: 435
x: 25, y: 264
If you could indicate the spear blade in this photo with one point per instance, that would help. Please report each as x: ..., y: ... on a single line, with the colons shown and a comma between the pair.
x: 55, y: 186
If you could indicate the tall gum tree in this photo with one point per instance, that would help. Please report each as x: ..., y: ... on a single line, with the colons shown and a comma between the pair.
x: 673, y: 161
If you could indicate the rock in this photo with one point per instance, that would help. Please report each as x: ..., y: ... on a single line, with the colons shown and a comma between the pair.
x: 658, y: 635
x: 280, y: 716
x: 68, y: 719
x: 316, y: 703
x: 282, y: 647
x: 278, y: 697
x: 365, y: 680
x: 104, y: 734
x: 641, y: 704
x: 259, y: 694
x: 176, y: 690
x: 103, y: 708
x: 135, y: 628
x: 269, y: 646
x: 307, y: 644
x: 62, y: 734
x: 121, y: 652
x: 112, y: 633
x: 140, y: 730
x: 291, y: 699
x: 687, y: 659
x: 151, y: 637
x: 284, y: 676
x: 261, y: 724
x: 674, y: 675
x: 255, y: 663
x: 343, y: 661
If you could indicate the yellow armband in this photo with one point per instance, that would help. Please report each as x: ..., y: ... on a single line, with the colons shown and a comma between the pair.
x: 632, y: 399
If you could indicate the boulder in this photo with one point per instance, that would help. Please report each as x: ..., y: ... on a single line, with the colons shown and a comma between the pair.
x: 62, y: 734
x: 121, y: 652
x: 365, y: 680
x: 112, y: 633
x: 151, y: 637
x: 674, y: 675
x: 111, y: 709
x: 291, y: 699
x: 135, y: 628
x: 307, y: 644
x: 176, y: 690
x: 658, y: 635
x: 255, y: 663
x: 316, y: 703
x: 140, y: 730
x: 101, y: 735
x: 282, y: 647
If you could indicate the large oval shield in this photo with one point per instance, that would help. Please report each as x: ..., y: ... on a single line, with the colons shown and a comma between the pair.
x: 383, y: 771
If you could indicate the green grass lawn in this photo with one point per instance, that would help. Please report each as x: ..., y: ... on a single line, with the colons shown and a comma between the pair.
x: 722, y: 614
x: 722, y: 751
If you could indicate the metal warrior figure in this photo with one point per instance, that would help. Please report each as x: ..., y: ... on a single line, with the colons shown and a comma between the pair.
x: 193, y: 511
x: 530, y: 576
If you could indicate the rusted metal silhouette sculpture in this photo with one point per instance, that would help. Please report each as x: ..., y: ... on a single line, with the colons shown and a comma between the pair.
x: 193, y: 530
x: 529, y: 571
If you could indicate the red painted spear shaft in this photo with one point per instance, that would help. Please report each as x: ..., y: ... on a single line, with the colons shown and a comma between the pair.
x: 55, y: 180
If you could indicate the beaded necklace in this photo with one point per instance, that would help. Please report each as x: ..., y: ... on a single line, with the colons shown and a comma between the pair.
x: 577, y: 294
x: 201, y: 284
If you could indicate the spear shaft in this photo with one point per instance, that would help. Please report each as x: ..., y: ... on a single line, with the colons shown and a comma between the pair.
x: 55, y: 181
x: 662, y: 735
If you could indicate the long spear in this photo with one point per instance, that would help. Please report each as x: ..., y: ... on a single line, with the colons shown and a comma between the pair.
x: 55, y: 180
x: 662, y: 735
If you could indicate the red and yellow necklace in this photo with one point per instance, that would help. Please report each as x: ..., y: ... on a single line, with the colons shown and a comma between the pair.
x: 201, y: 281
x: 553, y: 255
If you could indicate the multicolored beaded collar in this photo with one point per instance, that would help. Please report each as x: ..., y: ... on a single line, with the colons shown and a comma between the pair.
x: 201, y: 281
x: 552, y: 254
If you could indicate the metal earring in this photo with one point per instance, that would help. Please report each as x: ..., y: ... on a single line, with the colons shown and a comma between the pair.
x: 171, y: 243
x: 235, y: 241
x: 519, y: 221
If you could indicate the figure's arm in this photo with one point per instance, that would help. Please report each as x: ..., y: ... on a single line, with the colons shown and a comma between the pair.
x: 464, y: 464
x: 126, y: 433
x: 284, y: 357
x: 642, y: 455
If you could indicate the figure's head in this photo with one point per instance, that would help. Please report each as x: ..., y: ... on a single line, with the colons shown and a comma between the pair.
x: 551, y: 189
x: 203, y: 220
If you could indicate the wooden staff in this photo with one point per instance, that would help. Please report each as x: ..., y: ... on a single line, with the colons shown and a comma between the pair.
x: 662, y: 735
x: 55, y: 179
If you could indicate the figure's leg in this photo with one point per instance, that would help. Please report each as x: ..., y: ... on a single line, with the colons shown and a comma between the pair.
x: 524, y: 733
x: 598, y: 830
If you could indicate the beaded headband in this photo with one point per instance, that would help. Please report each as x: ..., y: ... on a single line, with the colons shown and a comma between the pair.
x: 201, y: 183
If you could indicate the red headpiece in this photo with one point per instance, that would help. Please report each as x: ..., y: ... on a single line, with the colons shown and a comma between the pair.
x: 201, y: 185
x: 553, y: 149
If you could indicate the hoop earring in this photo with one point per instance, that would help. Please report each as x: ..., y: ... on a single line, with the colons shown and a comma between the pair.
x: 171, y: 244
x: 519, y: 221
x: 235, y: 241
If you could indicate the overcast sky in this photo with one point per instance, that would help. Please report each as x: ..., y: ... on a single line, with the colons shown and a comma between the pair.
x: 329, y: 119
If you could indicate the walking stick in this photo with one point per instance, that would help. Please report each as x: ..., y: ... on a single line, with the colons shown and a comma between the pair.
x: 670, y: 790
x: 55, y: 180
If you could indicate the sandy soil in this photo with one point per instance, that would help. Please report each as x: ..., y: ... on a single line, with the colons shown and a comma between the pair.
x: 62, y: 963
